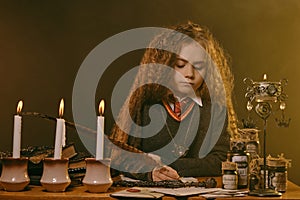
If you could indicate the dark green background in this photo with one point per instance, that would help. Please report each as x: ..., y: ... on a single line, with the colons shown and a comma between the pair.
x: 43, y: 43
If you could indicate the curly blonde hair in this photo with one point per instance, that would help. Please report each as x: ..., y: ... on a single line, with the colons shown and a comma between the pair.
x: 156, y: 92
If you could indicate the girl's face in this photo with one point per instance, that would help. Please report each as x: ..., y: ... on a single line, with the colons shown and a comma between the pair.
x: 191, y: 67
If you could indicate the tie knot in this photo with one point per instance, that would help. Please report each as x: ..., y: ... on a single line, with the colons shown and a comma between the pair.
x: 180, y: 107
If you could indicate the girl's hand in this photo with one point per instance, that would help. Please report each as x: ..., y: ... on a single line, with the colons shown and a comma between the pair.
x: 164, y: 173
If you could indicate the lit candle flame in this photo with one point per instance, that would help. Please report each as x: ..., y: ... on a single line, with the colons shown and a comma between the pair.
x: 61, y: 108
x: 19, y: 107
x: 101, y: 107
x: 265, y: 77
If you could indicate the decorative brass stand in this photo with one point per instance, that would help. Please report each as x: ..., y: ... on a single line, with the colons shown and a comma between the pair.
x: 263, y: 94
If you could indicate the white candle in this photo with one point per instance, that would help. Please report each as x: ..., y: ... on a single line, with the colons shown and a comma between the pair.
x: 17, y: 131
x: 60, y: 129
x: 63, y: 142
x: 100, y: 132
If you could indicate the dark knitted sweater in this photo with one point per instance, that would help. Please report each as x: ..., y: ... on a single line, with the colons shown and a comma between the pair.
x: 194, y: 129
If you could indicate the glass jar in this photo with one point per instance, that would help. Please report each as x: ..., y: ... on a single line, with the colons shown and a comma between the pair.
x: 252, y: 147
x: 229, y: 175
x: 277, y: 176
x: 241, y: 158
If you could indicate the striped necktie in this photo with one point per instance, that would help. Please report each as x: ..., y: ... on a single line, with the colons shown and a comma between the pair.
x: 180, y: 107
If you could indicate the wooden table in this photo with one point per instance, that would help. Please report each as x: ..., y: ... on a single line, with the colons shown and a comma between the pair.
x: 79, y: 193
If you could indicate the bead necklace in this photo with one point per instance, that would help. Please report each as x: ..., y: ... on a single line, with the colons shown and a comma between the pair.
x: 180, y: 150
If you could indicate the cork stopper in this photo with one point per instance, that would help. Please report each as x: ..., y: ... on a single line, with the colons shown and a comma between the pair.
x: 227, y: 165
x: 280, y: 161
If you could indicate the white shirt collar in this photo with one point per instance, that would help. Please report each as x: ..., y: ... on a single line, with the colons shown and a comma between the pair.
x: 196, y: 99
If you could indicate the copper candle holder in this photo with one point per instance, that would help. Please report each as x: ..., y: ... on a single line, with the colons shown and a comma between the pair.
x: 14, y: 176
x: 97, y: 178
x: 55, y: 176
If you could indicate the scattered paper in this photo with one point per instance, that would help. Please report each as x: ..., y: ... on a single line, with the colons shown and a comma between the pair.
x: 188, y: 180
x: 157, y: 192
x: 223, y: 193
x: 125, y: 178
x: 138, y: 192
x: 185, y: 191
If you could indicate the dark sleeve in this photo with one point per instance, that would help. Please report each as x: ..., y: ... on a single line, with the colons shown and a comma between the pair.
x: 134, y: 165
x: 210, y: 165
x: 130, y: 165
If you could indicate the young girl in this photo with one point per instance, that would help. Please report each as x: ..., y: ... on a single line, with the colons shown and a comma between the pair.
x: 182, y: 91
